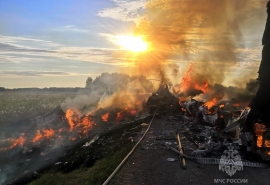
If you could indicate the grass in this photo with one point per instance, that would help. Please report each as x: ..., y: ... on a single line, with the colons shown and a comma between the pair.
x: 15, y: 106
x: 86, y: 176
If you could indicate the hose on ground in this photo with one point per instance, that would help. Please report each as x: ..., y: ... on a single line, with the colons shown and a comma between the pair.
x: 131, y: 152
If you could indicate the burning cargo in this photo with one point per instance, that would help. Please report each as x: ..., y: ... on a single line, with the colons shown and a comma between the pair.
x: 163, y: 101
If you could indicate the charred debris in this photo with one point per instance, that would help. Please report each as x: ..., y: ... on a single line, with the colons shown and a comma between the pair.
x: 27, y: 160
x: 211, y: 126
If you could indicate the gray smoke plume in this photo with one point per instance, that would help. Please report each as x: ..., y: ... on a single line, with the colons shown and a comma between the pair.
x: 205, y: 32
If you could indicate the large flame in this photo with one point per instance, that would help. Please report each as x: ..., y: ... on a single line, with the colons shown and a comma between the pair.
x: 211, y: 103
x: 86, y: 123
x: 72, y: 116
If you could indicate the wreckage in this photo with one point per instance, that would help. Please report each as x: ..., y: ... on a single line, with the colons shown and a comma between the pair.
x: 164, y: 100
x: 249, y: 126
x: 210, y: 127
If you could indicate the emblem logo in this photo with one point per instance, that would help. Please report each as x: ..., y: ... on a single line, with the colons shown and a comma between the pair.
x: 230, y: 161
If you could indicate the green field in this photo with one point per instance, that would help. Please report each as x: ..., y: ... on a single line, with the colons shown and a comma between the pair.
x: 15, y: 106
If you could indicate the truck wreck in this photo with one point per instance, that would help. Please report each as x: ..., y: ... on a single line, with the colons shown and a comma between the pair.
x: 247, y: 127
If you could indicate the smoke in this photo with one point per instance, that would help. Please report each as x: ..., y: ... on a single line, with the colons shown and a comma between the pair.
x: 232, y: 94
x: 205, y: 33
x: 110, y: 91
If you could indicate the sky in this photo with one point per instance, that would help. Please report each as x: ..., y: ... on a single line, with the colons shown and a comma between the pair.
x: 48, y: 43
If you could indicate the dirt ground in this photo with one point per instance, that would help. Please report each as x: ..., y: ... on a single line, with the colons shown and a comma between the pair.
x: 149, y: 164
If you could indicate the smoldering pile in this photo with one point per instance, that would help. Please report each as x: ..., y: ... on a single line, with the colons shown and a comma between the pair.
x: 108, y: 101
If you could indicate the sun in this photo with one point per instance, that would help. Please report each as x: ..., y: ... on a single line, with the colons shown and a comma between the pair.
x: 132, y: 43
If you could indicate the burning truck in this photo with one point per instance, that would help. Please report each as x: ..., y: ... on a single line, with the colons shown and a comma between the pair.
x: 229, y: 120
x: 163, y: 101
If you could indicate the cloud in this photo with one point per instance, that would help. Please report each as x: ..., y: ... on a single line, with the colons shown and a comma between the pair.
x: 17, y: 46
x: 25, y: 42
x: 33, y: 73
x: 70, y: 28
x: 125, y: 10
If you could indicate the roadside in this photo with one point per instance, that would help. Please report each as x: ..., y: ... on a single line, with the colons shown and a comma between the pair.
x: 149, y: 164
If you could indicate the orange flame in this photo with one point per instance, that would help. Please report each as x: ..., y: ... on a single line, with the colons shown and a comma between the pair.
x: 18, y: 142
x: 259, y: 130
x: 86, y: 123
x: 105, y: 117
x: 72, y: 115
x: 259, y: 141
x: 203, y: 87
x: 211, y: 103
x: 119, y: 116
x: 48, y: 133
x: 38, y: 137
x: 221, y: 106
x: 185, y: 83
x: 267, y: 143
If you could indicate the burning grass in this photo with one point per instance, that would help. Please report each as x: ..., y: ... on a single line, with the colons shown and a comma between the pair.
x: 93, y: 164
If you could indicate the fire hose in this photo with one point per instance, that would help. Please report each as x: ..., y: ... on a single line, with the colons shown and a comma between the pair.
x: 131, y: 152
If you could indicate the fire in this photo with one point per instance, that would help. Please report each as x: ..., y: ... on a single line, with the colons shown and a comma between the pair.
x: 38, y: 137
x: 188, y: 82
x: 76, y: 120
x: 72, y: 116
x: 105, y: 117
x: 221, y: 106
x: 185, y: 83
x: 267, y: 143
x: 259, y: 130
x: 46, y: 133
x: 203, y: 87
x: 259, y: 141
x: 211, y: 103
x: 17, y: 142
x: 119, y: 116
x: 86, y: 124
x: 236, y: 104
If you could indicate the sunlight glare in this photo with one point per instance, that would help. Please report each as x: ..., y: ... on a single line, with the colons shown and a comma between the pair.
x: 132, y: 43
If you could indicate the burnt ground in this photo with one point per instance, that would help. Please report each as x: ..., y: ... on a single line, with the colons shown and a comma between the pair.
x: 149, y: 164
x: 74, y: 156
